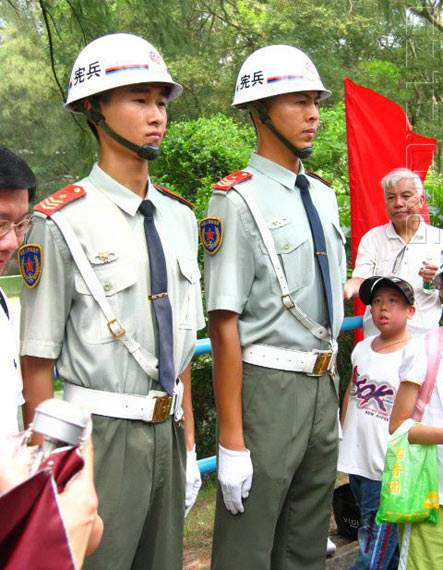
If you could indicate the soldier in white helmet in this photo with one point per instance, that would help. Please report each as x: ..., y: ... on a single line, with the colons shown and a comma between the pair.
x: 112, y: 298
x: 274, y: 272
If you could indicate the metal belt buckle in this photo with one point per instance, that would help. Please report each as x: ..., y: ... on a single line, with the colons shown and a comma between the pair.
x: 322, y: 363
x: 116, y: 328
x: 162, y: 409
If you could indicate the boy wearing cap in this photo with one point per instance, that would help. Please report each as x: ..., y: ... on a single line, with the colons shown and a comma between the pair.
x: 366, y: 411
x: 112, y: 297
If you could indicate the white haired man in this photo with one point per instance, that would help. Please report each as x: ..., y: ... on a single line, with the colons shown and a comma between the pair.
x: 406, y: 247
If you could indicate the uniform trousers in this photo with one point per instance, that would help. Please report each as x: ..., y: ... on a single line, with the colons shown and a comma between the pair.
x: 290, y: 427
x: 140, y: 481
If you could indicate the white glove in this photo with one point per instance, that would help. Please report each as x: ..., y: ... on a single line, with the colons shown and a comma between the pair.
x: 235, y: 477
x: 193, y: 480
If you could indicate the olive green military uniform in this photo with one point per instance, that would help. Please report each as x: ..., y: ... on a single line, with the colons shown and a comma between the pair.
x: 139, y: 466
x: 289, y: 418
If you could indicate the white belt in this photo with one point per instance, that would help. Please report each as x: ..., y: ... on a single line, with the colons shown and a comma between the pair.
x: 314, y: 363
x: 156, y: 407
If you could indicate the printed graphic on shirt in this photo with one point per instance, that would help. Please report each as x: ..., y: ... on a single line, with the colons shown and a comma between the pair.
x: 372, y: 397
x: 30, y: 257
x: 211, y: 234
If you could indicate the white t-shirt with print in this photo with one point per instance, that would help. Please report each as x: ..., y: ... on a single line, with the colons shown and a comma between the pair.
x: 375, y: 381
x: 413, y: 369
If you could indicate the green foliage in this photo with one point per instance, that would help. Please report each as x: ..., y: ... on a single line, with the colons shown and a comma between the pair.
x: 204, y: 406
x: 197, y: 153
x: 434, y: 194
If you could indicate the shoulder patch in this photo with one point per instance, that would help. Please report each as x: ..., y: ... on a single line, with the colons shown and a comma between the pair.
x: 228, y: 182
x: 30, y: 258
x: 174, y: 195
x: 313, y: 175
x: 211, y: 234
x: 59, y: 199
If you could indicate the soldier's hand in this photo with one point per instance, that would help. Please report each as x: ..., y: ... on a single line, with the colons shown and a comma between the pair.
x: 193, y: 480
x: 235, y: 477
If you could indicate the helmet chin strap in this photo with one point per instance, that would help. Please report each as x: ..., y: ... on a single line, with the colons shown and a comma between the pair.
x: 146, y: 151
x: 266, y: 120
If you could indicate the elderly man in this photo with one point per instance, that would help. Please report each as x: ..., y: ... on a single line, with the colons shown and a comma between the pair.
x: 406, y: 247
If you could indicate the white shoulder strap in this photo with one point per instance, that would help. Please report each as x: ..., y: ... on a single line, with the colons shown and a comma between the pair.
x: 147, y: 361
x: 313, y: 327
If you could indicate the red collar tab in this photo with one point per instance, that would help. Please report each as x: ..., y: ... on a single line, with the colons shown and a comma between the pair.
x: 174, y: 195
x: 313, y: 175
x: 228, y: 182
x: 58, y: 200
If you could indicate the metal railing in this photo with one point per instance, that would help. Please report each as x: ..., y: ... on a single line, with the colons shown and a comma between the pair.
x: 209, y: 464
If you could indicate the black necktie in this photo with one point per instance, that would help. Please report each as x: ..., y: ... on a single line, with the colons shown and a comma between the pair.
x: 318, y: 237
x: 160, y: 299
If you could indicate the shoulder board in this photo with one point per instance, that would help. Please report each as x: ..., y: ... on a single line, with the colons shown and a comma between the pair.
x: 174, y: 195
x: 59, y: 199
x: 228, y: 182
x: 313, y: 175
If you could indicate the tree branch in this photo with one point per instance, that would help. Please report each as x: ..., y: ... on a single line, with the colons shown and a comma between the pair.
x: 51, y: 57
x: 432, y: 14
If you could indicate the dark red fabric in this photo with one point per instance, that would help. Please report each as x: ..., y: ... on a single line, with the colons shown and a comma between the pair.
x: 32, y: 535
x: 379, y: 139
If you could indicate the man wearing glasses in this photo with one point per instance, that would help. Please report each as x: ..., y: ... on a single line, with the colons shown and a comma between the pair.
x: 17, y: 187
x: 406, y: 247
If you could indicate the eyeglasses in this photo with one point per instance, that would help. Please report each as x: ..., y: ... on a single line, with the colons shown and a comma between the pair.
x: 20, y: 228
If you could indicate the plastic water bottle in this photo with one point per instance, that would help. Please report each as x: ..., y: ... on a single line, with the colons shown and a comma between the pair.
x: 428, y: 286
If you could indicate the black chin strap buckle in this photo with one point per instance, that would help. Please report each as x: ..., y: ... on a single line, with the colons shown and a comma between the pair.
x: 149, y: 151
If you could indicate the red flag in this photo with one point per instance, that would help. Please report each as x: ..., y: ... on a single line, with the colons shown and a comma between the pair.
x: 32, y: 534
x: 379, y: 139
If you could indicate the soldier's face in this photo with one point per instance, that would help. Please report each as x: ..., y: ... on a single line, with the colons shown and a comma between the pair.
x: 295, y: 116
x: 13, y: 209
x: 137, y: 113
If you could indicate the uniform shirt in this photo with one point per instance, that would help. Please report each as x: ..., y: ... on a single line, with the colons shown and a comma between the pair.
x: 240, y: 276
x: 62, y: 321
x: 413, y: 369
x: 10, y: 377
x: 375, y: 382
x: 383, y: 252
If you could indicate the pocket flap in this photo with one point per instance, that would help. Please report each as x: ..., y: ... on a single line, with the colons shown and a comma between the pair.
x: 286, y: 238
x: 339, y: 231
x: 114, y: 277
x: 189, y: 269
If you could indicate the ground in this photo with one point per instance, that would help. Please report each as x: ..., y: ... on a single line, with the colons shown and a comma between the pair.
x: 198, y: 534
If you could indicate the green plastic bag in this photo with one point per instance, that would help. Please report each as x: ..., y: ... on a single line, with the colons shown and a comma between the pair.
x: 409, y: 491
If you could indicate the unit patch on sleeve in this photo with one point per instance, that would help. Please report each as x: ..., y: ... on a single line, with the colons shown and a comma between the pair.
x: 211, y: 234
x: 30, y: 260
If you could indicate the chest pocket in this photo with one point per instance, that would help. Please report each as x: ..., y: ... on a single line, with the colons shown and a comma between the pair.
x: 117, y: 279
x: 294, y: 246
x: 189, y: 275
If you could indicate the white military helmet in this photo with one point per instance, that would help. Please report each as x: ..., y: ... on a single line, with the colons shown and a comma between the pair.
x: 116, y: 60
x: 274, y: 70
